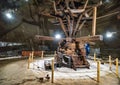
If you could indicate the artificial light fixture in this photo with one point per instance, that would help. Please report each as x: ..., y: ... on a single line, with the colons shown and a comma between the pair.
x: 58, y: 36
x: 26, y: 0
x: 110, y: 34
x: 9, y: 15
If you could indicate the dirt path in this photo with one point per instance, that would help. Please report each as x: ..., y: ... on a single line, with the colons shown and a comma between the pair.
x: 16, y: 73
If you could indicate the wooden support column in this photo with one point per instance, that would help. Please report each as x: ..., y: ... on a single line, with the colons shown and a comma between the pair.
x: 32, y: 56
x: 29, y: 60
x: 55, y: 53
x: 42, y: 54
x: 110, y: 62
x: 94, y: 21
x: 117, y: 67
x: 98, y: 71
x: 94, y: 56
x: 52, y: 76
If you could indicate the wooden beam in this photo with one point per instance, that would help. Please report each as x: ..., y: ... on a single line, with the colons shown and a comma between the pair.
x: 54, y: 5
x: 72, y: 15
x: 76, y: 10
x: 85, y: 4
x: 90, y: 38
x: 77, y: 25
x: 63, y: 26
x: 80, y: 27
x: 79, y: 19
x: 39, y: 37
x: 68, y: 24
x: 94, y: 21
x: 72, y: 1
x: 52, y: 76
x: 108, y: 15
x: 71, y: 28
x: 67, y: 4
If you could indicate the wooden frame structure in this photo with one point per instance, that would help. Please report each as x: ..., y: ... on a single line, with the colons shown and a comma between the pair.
x: 72, y: 15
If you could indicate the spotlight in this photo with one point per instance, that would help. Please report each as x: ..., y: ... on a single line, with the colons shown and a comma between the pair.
x: 58, y: 36
x: 9, y: 15
x: 110, y: 34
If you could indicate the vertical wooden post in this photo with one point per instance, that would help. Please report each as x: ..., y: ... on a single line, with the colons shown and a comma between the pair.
x: 52, y: 76
x: 29, y: 62
x: 94, y: 21
x: 94, y: 56
x: 117, y: 67
x: 98, y: 71
x: 110, y: 62
x: 42, y: 54
x: 54, y: 53
x: 32, y: 55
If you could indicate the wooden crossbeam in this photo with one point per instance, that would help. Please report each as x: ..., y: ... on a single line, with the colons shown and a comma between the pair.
x: 39, y: 37
x: 90, y: 38
x: 80, y: 39
x: 76, y: 10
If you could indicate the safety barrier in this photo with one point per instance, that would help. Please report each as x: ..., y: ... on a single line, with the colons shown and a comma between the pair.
x: 110, y: 66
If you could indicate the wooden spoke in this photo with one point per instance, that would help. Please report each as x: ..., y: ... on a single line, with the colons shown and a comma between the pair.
x: 63, y: 26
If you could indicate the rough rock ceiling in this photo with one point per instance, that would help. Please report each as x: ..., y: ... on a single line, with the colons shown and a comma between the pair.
x: 32, y: 13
